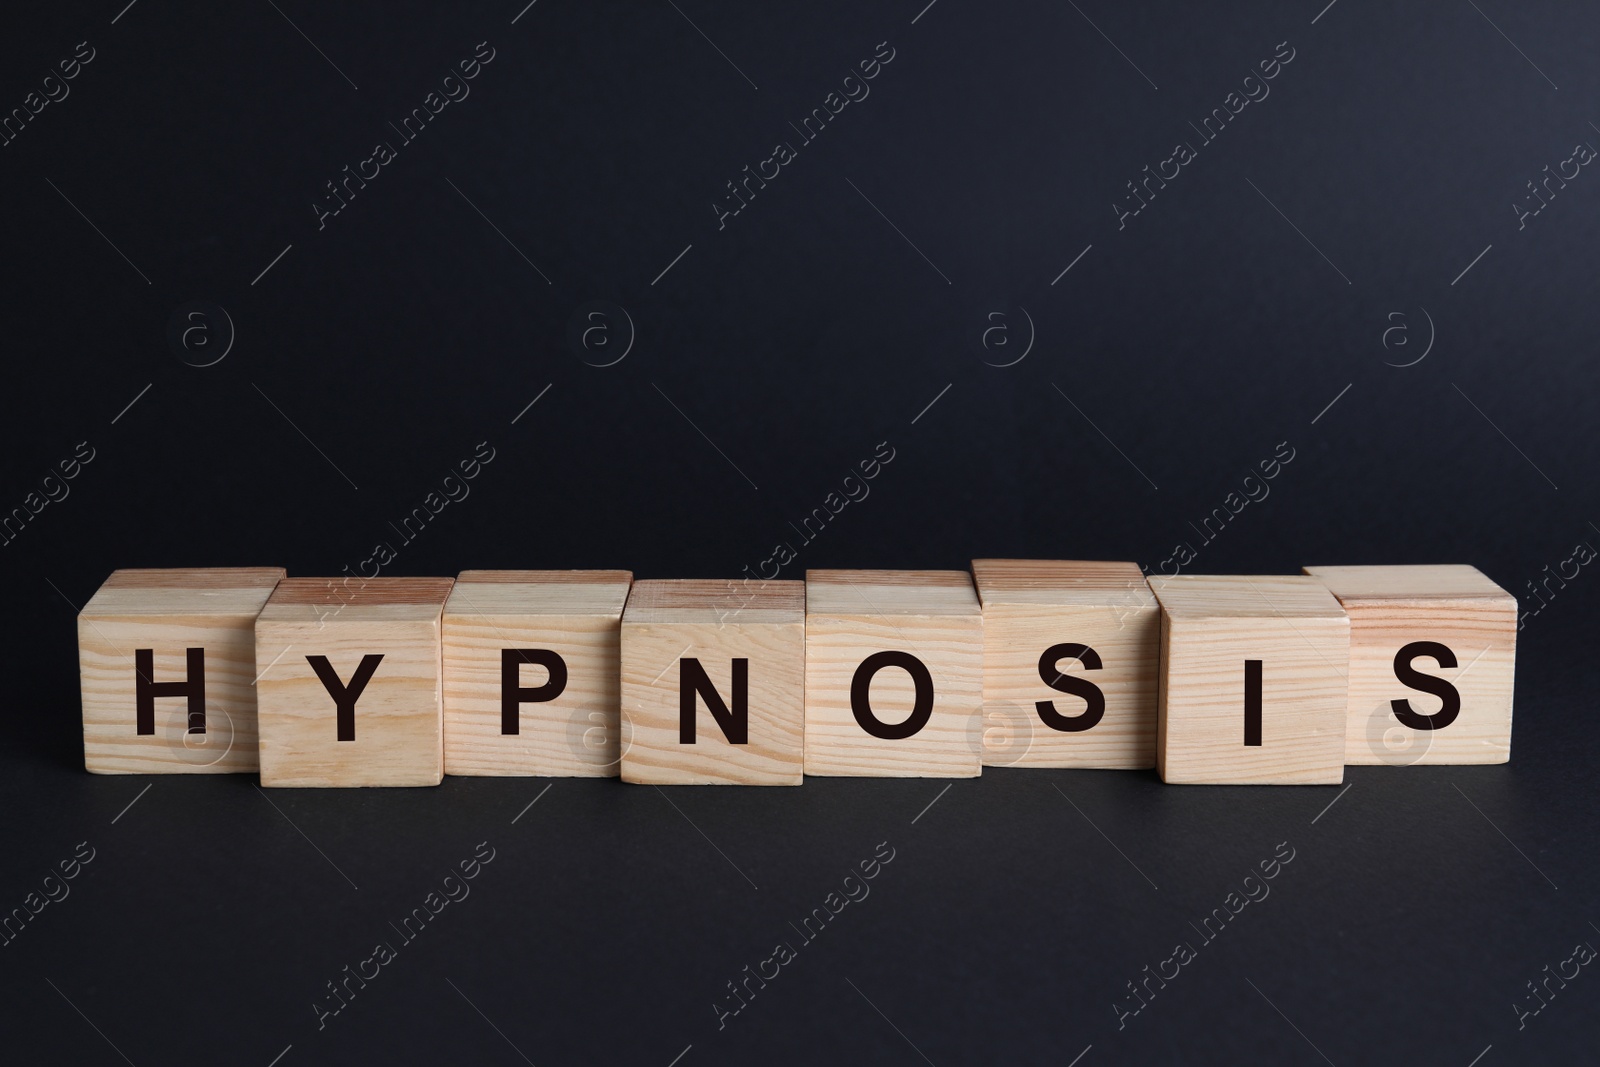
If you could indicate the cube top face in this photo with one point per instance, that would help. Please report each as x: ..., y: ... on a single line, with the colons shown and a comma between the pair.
x: 531, y: 681
x: 1063, y: 583
x: 529, y: 593
x: 1245, y: 596
x: 890, y: 593
x: 1254, y: 681
x: 319, y: 600
x: 350, y: 690
x: 715, y: 601
x: 184, y: 591
x: 1450, y: 633
x: 727, y: 662
x: 571, y: 576
x: 167, y: 665
x: 1070, y: 664
x: 1426, y: 582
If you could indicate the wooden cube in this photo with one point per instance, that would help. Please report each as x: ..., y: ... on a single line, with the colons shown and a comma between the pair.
x: 167, y: 665
x: 349, y: 692
x: 1070, y: 656
x: 713, y: 683
x: 894, y: 674
x: 531, y: 661
x: 1432, y: 654
x: 1253, y: 680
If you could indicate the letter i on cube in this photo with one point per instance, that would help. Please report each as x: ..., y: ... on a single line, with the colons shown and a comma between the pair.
x: 1253, y: 680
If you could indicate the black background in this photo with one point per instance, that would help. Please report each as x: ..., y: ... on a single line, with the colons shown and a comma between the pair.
x: 1180, y: 350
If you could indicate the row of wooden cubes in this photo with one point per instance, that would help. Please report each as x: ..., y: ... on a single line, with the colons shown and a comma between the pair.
x: 397, y: 681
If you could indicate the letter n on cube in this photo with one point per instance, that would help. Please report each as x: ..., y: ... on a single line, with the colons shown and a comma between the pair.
x: 713, y: 683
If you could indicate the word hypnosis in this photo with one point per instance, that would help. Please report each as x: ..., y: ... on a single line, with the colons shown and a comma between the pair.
x: 810, y: 128
x: 1183, y: 153
x: 410, y: 128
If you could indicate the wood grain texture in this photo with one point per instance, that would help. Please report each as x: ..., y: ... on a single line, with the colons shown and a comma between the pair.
x: 169, y: 611
x: 586, y: 579
x: 1030, y: 606
x: 413, y: 596
x: 575, y: 614
x: 1052, y: 582
x: 235, y: 586
x: 880, y: 592
x: 1455, y: 605
x: 399, y: 716
x: 715, y: 623
x: 932, y: 615
x: 1211, y: 625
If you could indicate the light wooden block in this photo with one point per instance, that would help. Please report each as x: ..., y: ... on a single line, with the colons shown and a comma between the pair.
x: 680, y: 638
x: 560, y: 632
x: 1452, y: 605
x: 393, y: 733
x: 172, y: 617
x: 1213, y: 627
x: 927, y: 628
x: 1071, y: 651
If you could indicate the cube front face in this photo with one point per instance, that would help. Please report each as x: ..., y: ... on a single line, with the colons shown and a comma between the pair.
x: 1396, y: 615
x: 898, y: 647
x: 567, y: 719
x: 350, y: 692
x: 1091, y: 628
x: 173, y: 720
x: 1255, y: 693
x: 667, y: 624
x: 1119, y: 694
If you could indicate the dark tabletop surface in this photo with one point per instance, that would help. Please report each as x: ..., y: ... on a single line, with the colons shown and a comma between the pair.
x: 1353, y: 268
